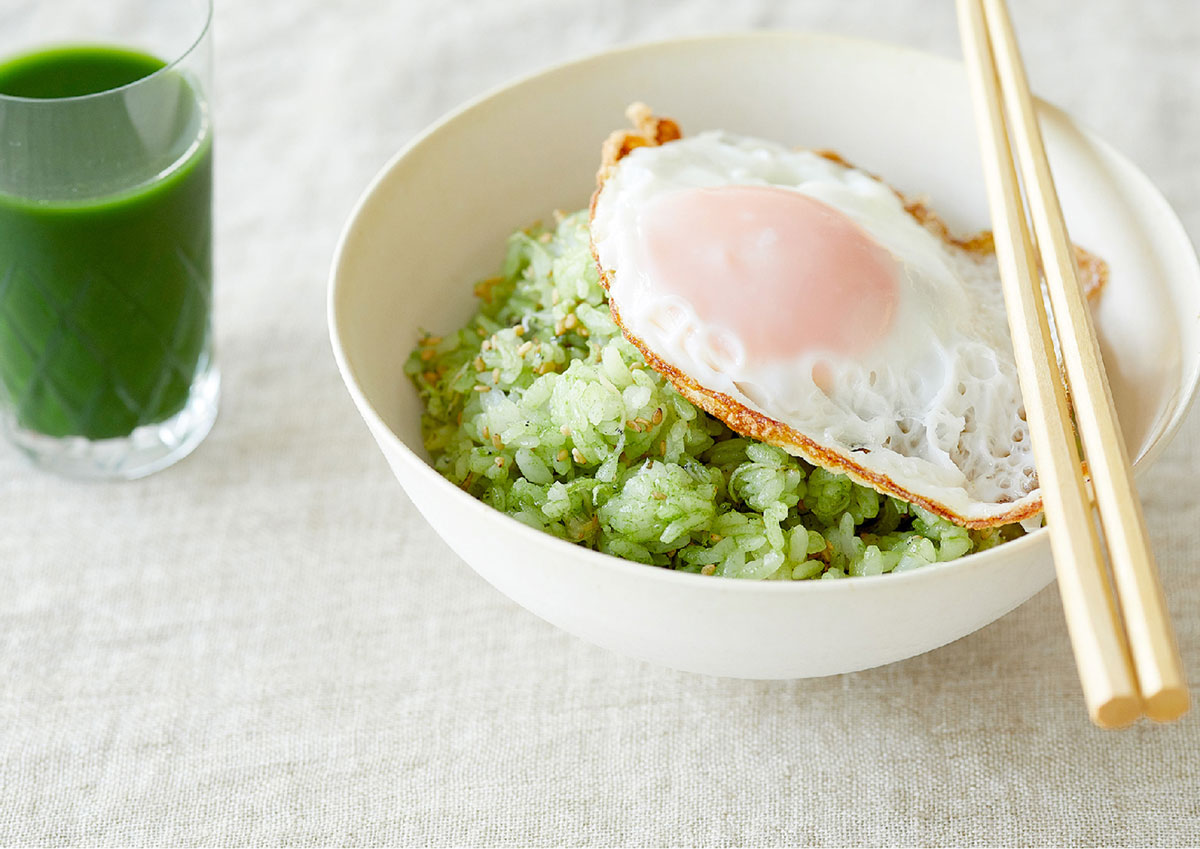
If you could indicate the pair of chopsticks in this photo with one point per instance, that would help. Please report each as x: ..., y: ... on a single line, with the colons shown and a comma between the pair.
x: 1126, y: 672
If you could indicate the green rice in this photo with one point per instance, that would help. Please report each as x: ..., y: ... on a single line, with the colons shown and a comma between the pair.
x: 540, y: 408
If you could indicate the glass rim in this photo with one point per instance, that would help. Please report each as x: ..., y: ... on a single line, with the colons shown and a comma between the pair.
x: 79, y: 98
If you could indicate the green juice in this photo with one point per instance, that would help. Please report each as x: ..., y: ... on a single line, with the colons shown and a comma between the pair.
x: 104, y: 294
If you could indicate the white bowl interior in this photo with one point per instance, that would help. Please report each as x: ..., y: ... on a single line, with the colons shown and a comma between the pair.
x: 436, y: 218
x: 439, y: 215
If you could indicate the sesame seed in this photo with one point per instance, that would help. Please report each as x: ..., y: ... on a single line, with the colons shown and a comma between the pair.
x: 495, y: 375
x: 657, y: 417
x: 482, y: 388
x: 428, y: 354
x: 525, y: 348
x: 659, y: 496
x: 496, y: 441
x: 544, y: 238
x: 554, y: 297
x: 709, y: 569
x: 716, y: 537
x: 479, y: 364
x: 662, y: 448
x: 583, y: 331
x: 570, y: 321
x: 578, y: 456
x: 562, y: 455
x: 486, y: 346
x: 565, y: 430
x: 483, y: 288
x: 430, y: 341
x: 430, y: 376
x: 499, y: 462
x: 558, y: 328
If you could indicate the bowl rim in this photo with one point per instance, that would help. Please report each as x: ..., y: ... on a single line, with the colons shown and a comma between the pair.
x: 1022, y: 546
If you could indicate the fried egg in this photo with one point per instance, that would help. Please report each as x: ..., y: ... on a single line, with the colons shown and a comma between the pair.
x: 801, y: 301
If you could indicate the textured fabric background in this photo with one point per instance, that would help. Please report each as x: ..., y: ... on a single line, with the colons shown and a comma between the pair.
x: 266, y: 644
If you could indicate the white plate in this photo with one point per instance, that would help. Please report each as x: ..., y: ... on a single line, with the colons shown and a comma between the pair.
x: 435, y: 220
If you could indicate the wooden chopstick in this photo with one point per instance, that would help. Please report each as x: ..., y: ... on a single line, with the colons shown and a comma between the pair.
x: 1101, y: 654
x: 1155, y: 654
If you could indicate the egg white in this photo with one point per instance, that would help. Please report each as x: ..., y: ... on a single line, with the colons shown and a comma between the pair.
x: 934, y: 406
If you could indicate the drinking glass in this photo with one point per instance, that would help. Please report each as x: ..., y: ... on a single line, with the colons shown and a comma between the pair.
x: 106, y: 361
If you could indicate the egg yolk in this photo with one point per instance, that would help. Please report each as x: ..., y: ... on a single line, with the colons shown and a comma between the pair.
x: 782, y: 272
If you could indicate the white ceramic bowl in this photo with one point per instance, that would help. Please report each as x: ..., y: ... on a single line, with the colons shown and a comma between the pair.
x: 435, y: 220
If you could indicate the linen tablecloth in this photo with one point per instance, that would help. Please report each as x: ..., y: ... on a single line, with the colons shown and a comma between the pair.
x: 266, y: 644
